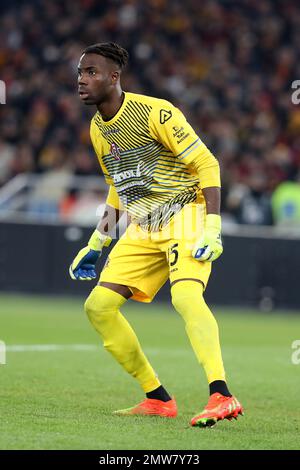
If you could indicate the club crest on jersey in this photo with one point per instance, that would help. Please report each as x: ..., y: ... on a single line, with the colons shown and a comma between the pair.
x: 115, y: 151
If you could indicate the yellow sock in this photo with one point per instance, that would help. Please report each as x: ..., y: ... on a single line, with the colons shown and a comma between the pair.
x: 201, y: 327
x: 102, y: 308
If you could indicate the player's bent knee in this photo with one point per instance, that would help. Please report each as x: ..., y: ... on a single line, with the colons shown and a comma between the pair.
x: 181, y: 303
x: 98, y: 305
x: 89, y: 306
x: 186, y: 294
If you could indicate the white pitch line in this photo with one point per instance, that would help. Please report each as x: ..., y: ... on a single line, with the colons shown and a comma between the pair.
x: 87, y: 347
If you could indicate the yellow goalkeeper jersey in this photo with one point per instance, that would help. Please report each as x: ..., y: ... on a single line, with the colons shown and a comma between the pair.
x: 149, y: 154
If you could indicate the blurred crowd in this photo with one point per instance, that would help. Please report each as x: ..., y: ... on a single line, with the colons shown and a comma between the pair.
x: 229, y: 66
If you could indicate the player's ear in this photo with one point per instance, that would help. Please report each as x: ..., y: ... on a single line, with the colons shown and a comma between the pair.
x: 115, y: 76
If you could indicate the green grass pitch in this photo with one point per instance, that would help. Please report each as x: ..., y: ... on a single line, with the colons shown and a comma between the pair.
x: 63, y: 398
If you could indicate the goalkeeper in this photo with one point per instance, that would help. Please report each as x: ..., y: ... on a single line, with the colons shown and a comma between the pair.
x: 164, y: 177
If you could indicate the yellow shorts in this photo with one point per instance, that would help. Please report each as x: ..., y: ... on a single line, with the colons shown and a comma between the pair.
x: 143, y: 261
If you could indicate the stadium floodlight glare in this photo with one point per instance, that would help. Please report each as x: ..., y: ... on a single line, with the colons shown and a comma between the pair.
x: 2, y: 92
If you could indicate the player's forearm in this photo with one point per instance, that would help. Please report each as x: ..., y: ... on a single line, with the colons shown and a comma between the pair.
x: 207, y: 167
x: 209, y: 246
x: 208, y: 170
x: 109, y: 220
x: 212, y: 196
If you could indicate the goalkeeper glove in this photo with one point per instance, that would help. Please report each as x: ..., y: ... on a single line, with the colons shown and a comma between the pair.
x: 83, y: 267
x: 209, y: 247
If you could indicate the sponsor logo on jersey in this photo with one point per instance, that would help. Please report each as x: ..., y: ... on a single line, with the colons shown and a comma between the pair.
x: 179, y: 133
x: 124, y: 175
x: 115, y: 151
x: 110, y: 132
x: 164, y: 116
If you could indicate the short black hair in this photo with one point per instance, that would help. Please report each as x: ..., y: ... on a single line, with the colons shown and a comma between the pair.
x: 111, y: 50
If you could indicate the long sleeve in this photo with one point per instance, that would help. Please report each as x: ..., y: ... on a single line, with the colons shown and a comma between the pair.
x: 170, y: 127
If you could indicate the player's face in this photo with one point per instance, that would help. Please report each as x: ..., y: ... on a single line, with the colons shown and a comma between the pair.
x: 97, y: 77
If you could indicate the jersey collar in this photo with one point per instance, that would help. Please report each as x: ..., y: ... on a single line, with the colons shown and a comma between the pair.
x: 119, y: 112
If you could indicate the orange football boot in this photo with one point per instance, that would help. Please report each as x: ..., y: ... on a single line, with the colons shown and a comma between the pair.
x: 218, y: 407
x: 151, y: 407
